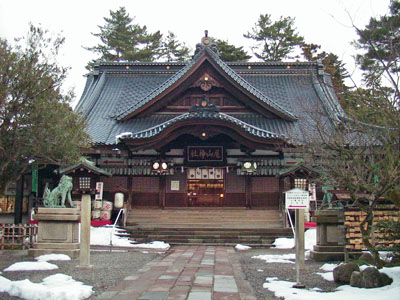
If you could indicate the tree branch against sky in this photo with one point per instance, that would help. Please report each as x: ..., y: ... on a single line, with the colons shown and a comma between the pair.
x: 36, y: 121
x: 123, y: 40
x: 358, y: 156
x: 274, y: 41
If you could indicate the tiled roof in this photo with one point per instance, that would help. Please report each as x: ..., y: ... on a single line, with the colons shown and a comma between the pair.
x: 292, y: 92
x: 204, y: 115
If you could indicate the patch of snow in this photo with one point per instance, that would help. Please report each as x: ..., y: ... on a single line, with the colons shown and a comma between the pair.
x: 49, y: 257
x: 241, y: 247
x: 122, y: 135
x: 284, y: 243
x: 327, y: 276
x: 54, y: 287
x: 310, y: 239
x: 345, y: 292
x: 100, y: 236
x: 31, y: 266
x: 282, y: 258
x: 328, y: 267
x: 153, y: 245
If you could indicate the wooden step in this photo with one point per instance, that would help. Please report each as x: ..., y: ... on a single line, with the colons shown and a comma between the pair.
x: 207, y: 226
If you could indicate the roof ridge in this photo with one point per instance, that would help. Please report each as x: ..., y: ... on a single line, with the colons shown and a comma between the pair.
x: 154, y: 130
x: 245, y: 84
x: 161, y: 88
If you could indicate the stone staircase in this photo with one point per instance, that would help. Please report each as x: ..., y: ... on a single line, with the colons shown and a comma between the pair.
x: 206, y: 226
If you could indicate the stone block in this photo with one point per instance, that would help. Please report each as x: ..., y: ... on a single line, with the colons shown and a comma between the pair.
x: 57, y: 232
x: 59, y: 211
x: 73, y: 253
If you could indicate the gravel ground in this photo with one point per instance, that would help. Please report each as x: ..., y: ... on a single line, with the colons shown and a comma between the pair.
x: 284, y: 271
x: 108, y: 268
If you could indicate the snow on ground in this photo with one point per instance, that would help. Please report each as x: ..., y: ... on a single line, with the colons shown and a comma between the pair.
x: 54, y: 287
x: 284, y: 243
x: 31, y: 266
x: 345, y: 292
x: 279, y: 258
x: 327, y: 276
x: 49, y: 257
x: 328, y: 267
x: 310, y: 239
x: 100, y: 236
x: 153, y: 245
x: 242, y: 247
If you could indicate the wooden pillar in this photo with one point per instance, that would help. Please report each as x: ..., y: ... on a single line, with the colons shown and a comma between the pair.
x: 84, y: 256
x: 248, y: 192
x: 129, y: 200
x: 19, y: 198
x: 300, y: 238
x: 162, y: 191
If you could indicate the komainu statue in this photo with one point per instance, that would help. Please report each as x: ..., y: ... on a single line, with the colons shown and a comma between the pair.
x: 56, y: 198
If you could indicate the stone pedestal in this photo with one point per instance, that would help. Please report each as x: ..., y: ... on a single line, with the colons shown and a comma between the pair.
x: 58, y: 232
x: 331, y: 235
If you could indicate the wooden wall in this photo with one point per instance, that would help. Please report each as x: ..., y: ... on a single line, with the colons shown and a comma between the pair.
x: 176, y: 198
x: 145, y: 191
x: 235, y: 191
x: 265, y: 192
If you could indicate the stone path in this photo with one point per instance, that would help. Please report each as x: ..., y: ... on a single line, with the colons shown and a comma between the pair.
x: 187, y: 273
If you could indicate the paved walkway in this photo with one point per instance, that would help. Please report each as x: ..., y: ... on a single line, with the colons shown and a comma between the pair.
x: 187, y: 273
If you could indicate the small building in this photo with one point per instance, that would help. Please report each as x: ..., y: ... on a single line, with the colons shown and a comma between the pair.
x: 205, y: 133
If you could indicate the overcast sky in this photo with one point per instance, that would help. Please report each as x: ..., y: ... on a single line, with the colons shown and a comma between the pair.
x: 323, y: 22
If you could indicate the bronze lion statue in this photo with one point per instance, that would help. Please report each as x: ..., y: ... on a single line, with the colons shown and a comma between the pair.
x: 57, y: 197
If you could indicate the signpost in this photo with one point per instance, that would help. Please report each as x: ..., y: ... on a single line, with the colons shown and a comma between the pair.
x: 299, y: 200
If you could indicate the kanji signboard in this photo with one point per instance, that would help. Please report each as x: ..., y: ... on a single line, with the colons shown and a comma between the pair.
x: 297, y: 199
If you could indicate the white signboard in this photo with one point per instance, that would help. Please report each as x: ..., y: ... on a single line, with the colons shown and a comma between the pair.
x: 174, y: 185
x: 99, y: 191
x: 297, y: 199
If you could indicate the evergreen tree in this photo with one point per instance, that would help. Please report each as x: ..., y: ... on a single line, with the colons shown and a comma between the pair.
x: 173, y: 50
x: 229, y: 52
x: 275, y: 41
x: 122, y: 40
x: 36, y: 121
x: 380, y: 43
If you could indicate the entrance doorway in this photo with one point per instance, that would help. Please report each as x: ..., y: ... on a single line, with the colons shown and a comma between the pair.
x: 205, y: 187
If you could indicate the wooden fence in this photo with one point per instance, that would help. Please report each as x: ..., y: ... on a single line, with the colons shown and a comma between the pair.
x: 20, y: 236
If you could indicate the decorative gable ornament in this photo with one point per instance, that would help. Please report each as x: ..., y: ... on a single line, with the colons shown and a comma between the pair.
x: 206, y: 83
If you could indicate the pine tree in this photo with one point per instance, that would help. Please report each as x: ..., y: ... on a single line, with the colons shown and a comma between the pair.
x: 275, y: 41
x: 173, y: 50
x: 380, y: 42
x: 229, y: 52
x: 122, y: 40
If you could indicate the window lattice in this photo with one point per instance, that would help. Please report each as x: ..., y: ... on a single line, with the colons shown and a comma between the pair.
x: 300, y: 183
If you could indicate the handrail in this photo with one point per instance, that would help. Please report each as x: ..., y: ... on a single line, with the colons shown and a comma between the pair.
x: 122, y: 210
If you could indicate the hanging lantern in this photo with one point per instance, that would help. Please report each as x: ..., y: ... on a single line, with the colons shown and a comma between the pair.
x: 119, y: 200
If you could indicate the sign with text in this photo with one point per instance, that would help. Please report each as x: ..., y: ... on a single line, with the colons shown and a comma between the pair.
x: 99, y: 191
x: 297, y: 199
x: 205, y: 154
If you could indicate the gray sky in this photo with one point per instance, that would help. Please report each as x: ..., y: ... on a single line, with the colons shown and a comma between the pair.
x: 323, y: 22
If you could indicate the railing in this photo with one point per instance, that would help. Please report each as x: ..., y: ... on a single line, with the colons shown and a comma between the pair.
x: 123, y: 212
x: 20, y: 236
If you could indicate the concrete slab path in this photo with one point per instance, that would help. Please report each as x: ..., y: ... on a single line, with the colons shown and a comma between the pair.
x: 187, y: 273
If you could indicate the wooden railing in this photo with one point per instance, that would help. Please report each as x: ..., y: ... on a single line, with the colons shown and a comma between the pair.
x: 20, y: 236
